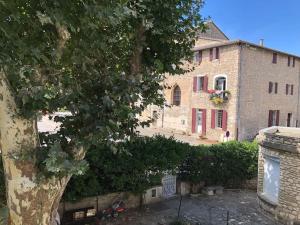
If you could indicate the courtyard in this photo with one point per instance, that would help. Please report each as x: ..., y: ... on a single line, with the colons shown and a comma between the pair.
x: 240, y: 206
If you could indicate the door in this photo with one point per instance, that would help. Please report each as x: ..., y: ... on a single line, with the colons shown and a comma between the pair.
x: 199, y: 120
x: 169, y: 186
x: 289, y: 120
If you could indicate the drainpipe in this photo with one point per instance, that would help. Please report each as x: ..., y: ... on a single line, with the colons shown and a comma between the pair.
x: 238, y: 92
x: 298, y: 102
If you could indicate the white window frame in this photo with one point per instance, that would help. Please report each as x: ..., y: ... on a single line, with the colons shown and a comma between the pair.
x: 198, y: 82
x: 218, y: 76
x: 217, y: 118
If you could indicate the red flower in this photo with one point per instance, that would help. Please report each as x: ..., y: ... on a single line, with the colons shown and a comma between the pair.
x: 211, y: 91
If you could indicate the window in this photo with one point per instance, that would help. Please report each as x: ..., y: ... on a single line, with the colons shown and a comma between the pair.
x: 294, y: 61
x: 198, y: 57
x: 289, y: 119
x: 176, y: 95
x: 289, y: 61
x: 220, y: 83
x: 276, y: 87
x: 271, y: 181
x: 270, y: 87
x: 273, y: 118
x: 214, y: 53
x: 200, y: 83
x: 219, y: 118
x: 153, y: 193
x: 287, y: 87
x: 292, y: 89
x: 274, y: 58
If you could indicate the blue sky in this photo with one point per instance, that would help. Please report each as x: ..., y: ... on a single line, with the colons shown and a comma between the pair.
x: 276, y: 21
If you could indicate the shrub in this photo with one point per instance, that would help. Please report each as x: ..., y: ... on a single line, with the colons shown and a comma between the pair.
x: 138, y: 165
x: 225, y: 164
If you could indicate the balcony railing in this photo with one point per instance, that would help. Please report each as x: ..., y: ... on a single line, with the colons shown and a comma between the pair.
x: 219, y: 97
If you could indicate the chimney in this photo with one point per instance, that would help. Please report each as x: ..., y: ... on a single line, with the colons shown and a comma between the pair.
x: 261, y: 42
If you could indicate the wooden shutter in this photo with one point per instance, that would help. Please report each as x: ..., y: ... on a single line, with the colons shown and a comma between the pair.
x: 200, y: 56
x: 292, y: 89
x: 213, y: 118
x: 224, y: 120
x: 194, y: 120
x: 211, y: 54
x: 294, y: 61
x: 195, y: 84
x: 276, y: 87
x: 274, y: 58
x: 270, y: 118
x: 205, y: 83
x: 277, y: 117
x: 203, y: 122
x: 270, y: 87
x: 217, y: 53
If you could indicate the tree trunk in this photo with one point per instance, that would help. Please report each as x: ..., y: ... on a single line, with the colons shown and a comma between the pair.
x: 29, y: 202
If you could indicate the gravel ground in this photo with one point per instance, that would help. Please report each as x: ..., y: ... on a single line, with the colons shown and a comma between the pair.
x: 241, y: 206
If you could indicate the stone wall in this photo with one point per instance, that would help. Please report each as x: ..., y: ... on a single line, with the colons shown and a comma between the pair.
x: 280, y: 143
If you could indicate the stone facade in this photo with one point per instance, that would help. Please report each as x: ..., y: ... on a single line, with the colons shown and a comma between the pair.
x: 283, y: 144
x: 248, y: 69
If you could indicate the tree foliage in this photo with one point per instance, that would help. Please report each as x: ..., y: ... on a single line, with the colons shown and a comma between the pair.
x: 139, y: 166
x: 103, y: 61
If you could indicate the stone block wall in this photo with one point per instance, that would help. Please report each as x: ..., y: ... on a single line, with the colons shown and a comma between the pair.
x: 275, y: 142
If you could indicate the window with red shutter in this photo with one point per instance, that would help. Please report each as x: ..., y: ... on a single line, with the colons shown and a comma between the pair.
x: 224, y: 120
x: 213, y: 118
x: 194, y: 84
x: 270, y: 87
x: 194, y: 111
x: 276, y: 88
x: 294, y: 61
x: 274, y: 58
x: 277, y: 117
x: 203, y: 122
x: 211, y: 54
x: 205, y: 83
x: 217, y: 56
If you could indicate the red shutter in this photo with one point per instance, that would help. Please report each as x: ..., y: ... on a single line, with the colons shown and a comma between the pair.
x: 217, y: 53
x: 277, y: 118
x: 211, y: 54
x: 193, y: 120
x: 224, y: 120
x: 203, y: 122
x: 270, y: 118
x: 205, y: 83
x: 213, y: 118
x: 195, y: 84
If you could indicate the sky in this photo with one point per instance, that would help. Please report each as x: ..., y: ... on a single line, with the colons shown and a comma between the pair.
x: 275, y: 21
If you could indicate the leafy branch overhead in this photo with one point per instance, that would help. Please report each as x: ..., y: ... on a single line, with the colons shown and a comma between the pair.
x: 103, y: 61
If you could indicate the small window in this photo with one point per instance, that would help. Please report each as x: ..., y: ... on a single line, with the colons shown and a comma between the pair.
x: 177, y: 96
x: 294, y: 61
x: 271, y: 181
x: 274, y: 58
x: 289, y: 61
x: 214, y: 53
x: 219, y: 118
x: 198, y: 56
x: 273, y: 118
x: 270, y: 87
x: 220, y: 83
x: 292, y: 89
x: 153, y: 193
x: 276, y: 88
x: 200, y: 83
x: 287, y: 88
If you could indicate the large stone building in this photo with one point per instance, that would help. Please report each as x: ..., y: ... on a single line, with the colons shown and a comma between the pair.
x: 235, y: 89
